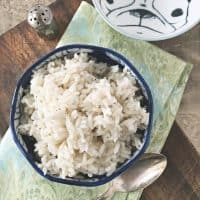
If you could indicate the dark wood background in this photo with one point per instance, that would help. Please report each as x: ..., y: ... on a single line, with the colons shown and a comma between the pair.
x: 21, y: 46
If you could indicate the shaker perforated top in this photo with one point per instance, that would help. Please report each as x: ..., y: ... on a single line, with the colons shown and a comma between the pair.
x: 39, y: 15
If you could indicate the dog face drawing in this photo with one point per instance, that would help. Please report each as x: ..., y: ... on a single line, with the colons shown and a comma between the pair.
x: 147, y: 16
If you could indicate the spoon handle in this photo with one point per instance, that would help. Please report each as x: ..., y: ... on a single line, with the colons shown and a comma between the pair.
x: 107, y: 194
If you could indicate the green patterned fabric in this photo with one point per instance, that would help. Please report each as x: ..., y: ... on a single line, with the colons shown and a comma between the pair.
x: 166, y: 76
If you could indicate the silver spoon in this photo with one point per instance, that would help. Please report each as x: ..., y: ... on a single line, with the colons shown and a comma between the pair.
x: 139, y: 176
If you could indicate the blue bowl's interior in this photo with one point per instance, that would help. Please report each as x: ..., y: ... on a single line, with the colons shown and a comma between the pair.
x: 26, y: 143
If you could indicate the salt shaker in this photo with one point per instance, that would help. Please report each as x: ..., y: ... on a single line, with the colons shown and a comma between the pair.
x: 40, y: 17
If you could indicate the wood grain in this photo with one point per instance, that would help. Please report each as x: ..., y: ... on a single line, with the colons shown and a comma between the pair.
x: 21, y: 46
x: 187, y: 47
x: 181, y: 180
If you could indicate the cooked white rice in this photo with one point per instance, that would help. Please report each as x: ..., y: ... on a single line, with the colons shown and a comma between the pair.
x: 84, y: 116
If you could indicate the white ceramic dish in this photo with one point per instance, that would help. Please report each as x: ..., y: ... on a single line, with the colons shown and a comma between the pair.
x: 150, y: 19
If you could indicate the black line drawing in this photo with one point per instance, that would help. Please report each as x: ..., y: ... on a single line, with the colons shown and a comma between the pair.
x: 147, y: 14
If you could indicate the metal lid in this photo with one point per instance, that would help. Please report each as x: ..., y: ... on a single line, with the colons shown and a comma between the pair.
x: 39, y: 15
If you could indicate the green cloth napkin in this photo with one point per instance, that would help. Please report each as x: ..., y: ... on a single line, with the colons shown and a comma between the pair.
x: 166, y: 75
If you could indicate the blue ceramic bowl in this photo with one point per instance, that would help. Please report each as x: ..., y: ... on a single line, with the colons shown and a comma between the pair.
x: 26, y: 143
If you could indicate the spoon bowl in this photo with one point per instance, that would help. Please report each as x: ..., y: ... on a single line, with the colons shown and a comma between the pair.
x: 139, y: 176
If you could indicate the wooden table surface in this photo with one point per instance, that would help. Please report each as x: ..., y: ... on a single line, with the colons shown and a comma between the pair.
x: 21, y: 46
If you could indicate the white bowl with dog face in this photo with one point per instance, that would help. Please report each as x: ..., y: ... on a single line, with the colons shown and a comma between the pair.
x: 150, y: 19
